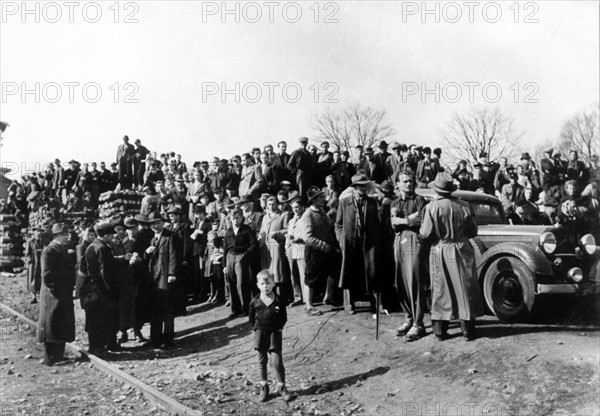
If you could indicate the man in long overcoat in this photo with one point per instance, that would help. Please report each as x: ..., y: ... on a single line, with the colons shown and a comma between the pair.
x: 56, y: 325
x: 358, y: 233
x: 272, y: 248
x: 449, y: 223
x: 164, y: 261
x: 99, y: 293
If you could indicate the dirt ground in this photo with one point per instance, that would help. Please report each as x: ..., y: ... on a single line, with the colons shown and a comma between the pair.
x: 335, y: 366
x: 70, y: 387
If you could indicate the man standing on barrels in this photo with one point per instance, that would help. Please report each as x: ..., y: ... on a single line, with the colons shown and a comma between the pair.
x: 449, y: 223
x: 56, y: 324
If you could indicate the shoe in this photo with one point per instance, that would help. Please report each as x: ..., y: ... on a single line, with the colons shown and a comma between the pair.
x: 468, y: 330
x: 415, y: 333
x: 285, y: 394
x: 333, y: 304
x: 404, y: 328
x: 442, y: 337
x: 114, y: 347
x: 264, y: 393
x: 167, y: 346
x: 296, y: 303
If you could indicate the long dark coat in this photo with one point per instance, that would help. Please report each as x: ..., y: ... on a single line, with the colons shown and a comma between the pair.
x: 352, y: 275
x: 57, y: 317
x: 449, y: 223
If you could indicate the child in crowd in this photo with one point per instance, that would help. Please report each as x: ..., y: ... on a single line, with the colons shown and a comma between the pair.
x: 268, y: 316
x: 214, y: 265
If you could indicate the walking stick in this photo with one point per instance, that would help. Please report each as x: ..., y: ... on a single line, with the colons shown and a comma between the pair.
x: 377, y: 303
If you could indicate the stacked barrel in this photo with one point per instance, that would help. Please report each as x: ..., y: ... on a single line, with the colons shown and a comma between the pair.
x: 120, y: 203
x: 11, y: 242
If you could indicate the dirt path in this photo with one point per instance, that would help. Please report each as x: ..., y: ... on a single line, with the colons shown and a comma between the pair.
x: 335, y: 366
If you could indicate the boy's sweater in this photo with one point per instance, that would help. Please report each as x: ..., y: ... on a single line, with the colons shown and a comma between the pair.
x: 267, y: 318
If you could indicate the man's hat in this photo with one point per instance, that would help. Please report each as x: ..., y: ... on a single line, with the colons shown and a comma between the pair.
x: 443, y: 184
x: 369, y: 151
x: 73, y: 162
x: 359, y: 146
x: 549, y: 151
x: 59, y: 228
x: 141, y: 219
x: 155, y: 217
x: 104, y: 228
x: 292, y: 196
x: 285, y: 183
x: 483, y: 154
x: 360, y: 179
x: 382, y: 144
x: 556, y: 154
x: 427, y: 150
x: 174, y: 210
x: 204, y: 194
x: 525, y: 156
x: 325, y: 143
x: 477, y: 165
x: 245, y: 199
x: 386, y: 187
x: 395, y: 145
x: 199, y: 209
x: 437, y: 151
x: 419, y: 148
x: 313, y: 192
x: 303, y: 139
x: 403, y: 147
x: 265, y: 196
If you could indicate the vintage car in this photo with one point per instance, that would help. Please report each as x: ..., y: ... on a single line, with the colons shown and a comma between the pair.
x: 518, y: 263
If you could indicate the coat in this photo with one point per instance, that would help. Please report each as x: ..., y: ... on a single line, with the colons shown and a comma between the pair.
x: 57, y: 317
x: 272, y: 249
x: 33, y: 254
x: 449, y: 223
x: 166, y: 260
x: 359, y: 255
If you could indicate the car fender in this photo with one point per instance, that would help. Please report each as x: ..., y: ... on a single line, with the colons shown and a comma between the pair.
x: 532, y: 256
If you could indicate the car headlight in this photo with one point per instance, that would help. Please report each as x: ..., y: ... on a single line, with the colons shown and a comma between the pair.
x: 576, y: 274
x: 548, y: 242
x: 588, y: 244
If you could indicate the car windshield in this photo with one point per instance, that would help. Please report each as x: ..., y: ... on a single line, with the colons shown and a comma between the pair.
x: 486, y: 214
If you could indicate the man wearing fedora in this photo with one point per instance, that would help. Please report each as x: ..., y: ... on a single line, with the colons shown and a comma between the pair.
x: 357, y: 230
x: 315, y: 230
x: 448, y: 223
x: 301, y: 166
x: 141, y: 274
x: 100, y: 292
x: 323, y: 165
x: 56, y: 324
x: 164, y: 261
x: 427, y: 169
x: 379, y: 173
x: 200, y: 228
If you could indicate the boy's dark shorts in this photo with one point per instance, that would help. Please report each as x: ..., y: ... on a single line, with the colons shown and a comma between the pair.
x: 267, y: 341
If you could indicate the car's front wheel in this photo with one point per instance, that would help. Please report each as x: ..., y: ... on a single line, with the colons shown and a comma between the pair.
x: 509, y: 289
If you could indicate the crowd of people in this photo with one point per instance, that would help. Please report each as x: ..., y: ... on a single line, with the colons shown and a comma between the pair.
x: 321, y: 229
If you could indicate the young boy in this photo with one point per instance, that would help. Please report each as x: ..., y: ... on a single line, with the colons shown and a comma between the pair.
x: 268, y: 316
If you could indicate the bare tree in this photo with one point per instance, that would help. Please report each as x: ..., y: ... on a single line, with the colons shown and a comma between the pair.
x: 354, y: 125
x: 480, y: 130
x: 581, y: 133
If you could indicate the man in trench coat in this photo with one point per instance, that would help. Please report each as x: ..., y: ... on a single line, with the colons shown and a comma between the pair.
x: 358, y: 233
x: 56, y: 325
x: 449, y: 223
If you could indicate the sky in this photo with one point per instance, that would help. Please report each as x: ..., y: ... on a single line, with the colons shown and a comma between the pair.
x: 156, y: 70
